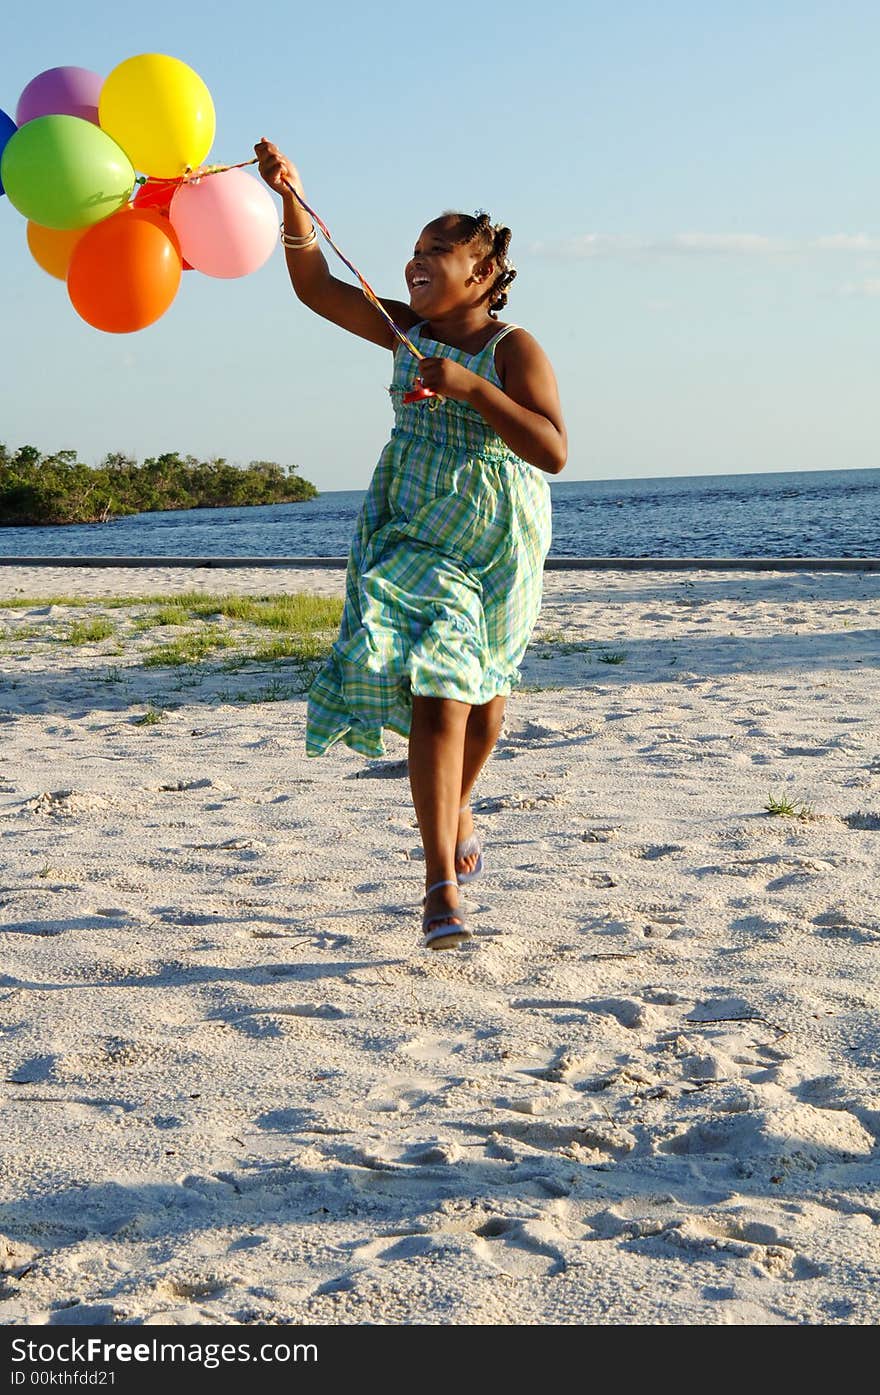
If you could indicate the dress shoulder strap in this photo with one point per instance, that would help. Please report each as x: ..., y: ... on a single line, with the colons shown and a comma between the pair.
x: 496, y: 340
x: 501, y: 333
x: 485, y: 359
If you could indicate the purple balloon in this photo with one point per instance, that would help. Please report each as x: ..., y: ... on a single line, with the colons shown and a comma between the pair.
x: 61, y: 92
x: 7, y: 129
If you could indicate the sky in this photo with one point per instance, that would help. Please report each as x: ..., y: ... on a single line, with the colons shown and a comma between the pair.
x: 694, y: 193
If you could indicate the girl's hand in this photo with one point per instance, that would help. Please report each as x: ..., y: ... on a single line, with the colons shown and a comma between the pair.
x: 446, y: 378
x: 276, y: 169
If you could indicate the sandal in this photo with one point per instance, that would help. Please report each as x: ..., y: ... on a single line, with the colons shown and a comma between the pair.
x: 451, y: 929
x: 468, y: 847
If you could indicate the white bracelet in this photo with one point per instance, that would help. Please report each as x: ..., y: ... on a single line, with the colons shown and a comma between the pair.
x: 297, y: 243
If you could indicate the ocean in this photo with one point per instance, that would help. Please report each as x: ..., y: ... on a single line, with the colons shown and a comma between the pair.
x: 822, y: 513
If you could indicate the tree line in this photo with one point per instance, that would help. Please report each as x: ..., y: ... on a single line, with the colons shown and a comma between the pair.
x: 58, y: 488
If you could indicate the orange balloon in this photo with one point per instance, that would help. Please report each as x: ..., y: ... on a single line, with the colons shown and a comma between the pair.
x: 125, y: 271
x: 52, y: 248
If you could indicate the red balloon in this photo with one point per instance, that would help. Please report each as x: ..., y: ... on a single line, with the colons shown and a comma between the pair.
x: 125, y: 271
x: 157, y: 194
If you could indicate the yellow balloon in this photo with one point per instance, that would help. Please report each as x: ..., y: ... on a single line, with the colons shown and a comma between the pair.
x: 161, y: 113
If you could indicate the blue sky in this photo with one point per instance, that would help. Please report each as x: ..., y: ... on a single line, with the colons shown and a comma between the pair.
x: 694, y: 193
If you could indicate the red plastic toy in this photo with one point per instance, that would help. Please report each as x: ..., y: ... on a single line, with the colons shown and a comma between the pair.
x: 418, y: 393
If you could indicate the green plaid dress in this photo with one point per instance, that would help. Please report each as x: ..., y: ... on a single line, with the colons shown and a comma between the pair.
x: 444, y: 577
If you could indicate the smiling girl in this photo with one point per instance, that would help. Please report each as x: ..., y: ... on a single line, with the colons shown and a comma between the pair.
x: 445, y: 573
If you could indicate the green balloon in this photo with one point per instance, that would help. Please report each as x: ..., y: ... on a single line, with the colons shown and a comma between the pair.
x: 63, y: 172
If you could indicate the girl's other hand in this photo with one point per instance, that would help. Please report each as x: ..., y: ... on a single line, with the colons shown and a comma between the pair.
x: 275, y: 168
x: 446, y: 378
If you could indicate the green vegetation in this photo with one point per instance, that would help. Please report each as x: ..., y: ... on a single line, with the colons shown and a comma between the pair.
x: 89, y: 631
x: 189, y: 649
x: 612, y: 657
x: 296, y: 614
x: 59, y: 488
x: 226, y: 632
x: 304, y: 627
x: 151, y: 718
x: 783, y: 808
x: 201, y: 634
x: 558, y: 641
x: 305, y: 622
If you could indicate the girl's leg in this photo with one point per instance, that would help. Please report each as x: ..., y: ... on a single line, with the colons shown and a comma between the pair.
x: 436, y: 763
x: 481, y: 733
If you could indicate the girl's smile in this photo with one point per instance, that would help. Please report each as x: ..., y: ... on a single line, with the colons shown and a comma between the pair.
x: 440, y: 273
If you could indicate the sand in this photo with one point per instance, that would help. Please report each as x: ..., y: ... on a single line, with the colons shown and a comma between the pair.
x: 235, y: 1087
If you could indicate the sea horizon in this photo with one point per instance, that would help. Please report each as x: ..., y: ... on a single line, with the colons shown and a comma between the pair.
x: 819, y: 513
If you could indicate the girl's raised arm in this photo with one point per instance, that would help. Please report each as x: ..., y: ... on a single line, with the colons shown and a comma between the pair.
x: 339, y: 301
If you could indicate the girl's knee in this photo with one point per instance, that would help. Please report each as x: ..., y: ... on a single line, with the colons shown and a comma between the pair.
x: 440, y: 714
x: 485, y: 722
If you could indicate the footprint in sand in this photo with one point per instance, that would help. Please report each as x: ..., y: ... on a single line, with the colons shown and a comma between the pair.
x: 522, y: 1248
x: 655, y: 852
x: 605, y: 1138
x: 436, y: 1048
x: 397, y: 1094
x: 792, y: 1136
x: 716, y: 1237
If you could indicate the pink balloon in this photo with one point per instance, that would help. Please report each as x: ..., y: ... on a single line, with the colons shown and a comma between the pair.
x: 226, y: 223
x: 60, y: 92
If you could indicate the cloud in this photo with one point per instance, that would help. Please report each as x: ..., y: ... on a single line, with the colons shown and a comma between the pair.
x: 595, y: 246
x: 847, y: 242
x: 867, y: 288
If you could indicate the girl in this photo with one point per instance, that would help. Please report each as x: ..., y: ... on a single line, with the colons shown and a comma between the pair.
x: 445, y: 573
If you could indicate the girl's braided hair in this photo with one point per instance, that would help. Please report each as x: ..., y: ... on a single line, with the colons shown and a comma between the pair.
x: 495, y: 241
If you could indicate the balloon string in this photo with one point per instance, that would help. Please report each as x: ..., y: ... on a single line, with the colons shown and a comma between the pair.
x: 367, y: 288
x: 193, y: 174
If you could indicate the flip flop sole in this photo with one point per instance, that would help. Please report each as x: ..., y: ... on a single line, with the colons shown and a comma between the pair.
x: 446, y: 939
x: 466, y: 848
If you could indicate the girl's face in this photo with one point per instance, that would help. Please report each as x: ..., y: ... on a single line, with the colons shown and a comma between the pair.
x: 442, y: 276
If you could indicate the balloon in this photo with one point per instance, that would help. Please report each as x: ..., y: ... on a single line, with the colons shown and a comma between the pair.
x: 52, y: 248
x: 160, y: 112
x: 61, y: 92
x: 158, y: 193
x: 7, y: 130
x: 125, y: 272
x: 63, y: 172
x: 226, y: 223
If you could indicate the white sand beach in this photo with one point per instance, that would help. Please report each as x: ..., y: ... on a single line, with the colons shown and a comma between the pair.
x: 236, y: 1089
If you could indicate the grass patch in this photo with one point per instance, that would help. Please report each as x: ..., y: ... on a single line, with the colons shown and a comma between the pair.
x: 296, y: 614
x: 783, y: 808
x: 169, y: 614
x: 189, y: 649
x: 151, y: 718
x: 612, y: 656
x: 78, y: 602
x: 301, y: 611
x: 557, y: 641
x: 301, y: 628
x: 89, y: 631
x: 273, y: 691
x: 304, y: 649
